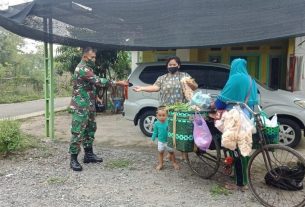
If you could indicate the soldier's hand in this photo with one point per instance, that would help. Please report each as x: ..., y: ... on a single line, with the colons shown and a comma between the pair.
x: 104, y: 81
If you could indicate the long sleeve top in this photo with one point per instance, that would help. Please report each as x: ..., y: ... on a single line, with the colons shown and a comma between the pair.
x: 160, y: 131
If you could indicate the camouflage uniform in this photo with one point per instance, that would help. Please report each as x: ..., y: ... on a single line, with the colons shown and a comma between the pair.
x: 83, y: 107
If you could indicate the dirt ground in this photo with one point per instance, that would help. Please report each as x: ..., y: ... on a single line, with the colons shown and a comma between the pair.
x: 41, y: 176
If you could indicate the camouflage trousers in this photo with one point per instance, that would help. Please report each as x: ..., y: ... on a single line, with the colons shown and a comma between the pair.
x: 83, y: 129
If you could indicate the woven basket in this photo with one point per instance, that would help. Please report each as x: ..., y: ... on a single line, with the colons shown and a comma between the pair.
x: 271, y: 135
x: 180, y: 132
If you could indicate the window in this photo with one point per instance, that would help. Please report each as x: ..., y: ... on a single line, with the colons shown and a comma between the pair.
x: 215, y: 59
x: 217, y: 78
x: 150, y: 74
x: 206, y: 76
x: 276, y: 47
x: 198, y: 72
x: 215, y: 49
x: 236, y: 48
x: 253, y: 48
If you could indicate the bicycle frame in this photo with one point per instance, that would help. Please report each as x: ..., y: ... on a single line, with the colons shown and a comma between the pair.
x: 262, y: 139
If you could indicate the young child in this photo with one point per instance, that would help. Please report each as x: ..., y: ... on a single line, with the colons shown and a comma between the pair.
x: 160, y: 132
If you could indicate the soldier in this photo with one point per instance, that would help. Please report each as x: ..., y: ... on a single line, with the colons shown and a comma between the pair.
x: 83, y: 109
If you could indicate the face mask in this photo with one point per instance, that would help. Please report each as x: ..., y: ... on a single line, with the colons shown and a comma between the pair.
x: 91, y: 64
x: 172, y: 70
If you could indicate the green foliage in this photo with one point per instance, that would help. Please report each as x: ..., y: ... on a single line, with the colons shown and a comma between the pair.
x: 217, y: 190
x: 119, y: 62
x: 118, y: 163
x: 10, y: 136
x: 67, y: 59
x: 122, y: 66
x: 181, y: 107
x: 56, y: 180
x: 10, y: 45
x: 22, y: 74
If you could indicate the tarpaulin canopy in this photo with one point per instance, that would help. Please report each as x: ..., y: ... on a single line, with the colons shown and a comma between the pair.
x: 156, y: 24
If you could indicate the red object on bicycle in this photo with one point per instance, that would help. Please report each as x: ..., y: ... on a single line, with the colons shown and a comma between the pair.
x: 228, y: 160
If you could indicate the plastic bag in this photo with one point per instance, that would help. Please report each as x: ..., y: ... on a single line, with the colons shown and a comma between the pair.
x: 202, y: 100
x: 289, y: 178
x: 187, y: 91
x: 202, y: 135
x: 219, y: 122
x: 267, y: 122
x: 247, y: 123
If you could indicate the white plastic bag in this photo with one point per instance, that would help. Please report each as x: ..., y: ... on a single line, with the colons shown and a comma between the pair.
x: 247, y: 123
x: 201, y: 100
x: 269, y: 123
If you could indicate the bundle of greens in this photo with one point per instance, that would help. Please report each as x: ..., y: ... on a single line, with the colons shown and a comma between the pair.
x: 180, y: 107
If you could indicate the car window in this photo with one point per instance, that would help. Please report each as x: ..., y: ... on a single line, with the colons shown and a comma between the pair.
x: 217, y: 78
x: 207, y: 77
x: 198, y: 72
x: 150, y: 74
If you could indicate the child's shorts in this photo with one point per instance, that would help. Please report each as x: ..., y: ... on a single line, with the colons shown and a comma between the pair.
x: 163, y: 147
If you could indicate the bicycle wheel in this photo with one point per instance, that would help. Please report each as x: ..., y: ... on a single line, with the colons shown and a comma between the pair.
x: 205, y: 163
x: 282, y: 160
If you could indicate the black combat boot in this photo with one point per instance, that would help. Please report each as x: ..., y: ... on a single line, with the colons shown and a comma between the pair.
x: 90, y: 156
x: 74, y: 164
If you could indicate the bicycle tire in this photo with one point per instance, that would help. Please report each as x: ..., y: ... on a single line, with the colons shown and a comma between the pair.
x: 271, y: 149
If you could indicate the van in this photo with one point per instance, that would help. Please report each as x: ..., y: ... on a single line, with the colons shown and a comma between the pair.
x: 211, y: 77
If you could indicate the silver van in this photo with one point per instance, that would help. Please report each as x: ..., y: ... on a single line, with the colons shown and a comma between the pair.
x: 140, y: 107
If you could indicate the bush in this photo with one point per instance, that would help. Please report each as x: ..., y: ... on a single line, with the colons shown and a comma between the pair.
x: 10, y: 136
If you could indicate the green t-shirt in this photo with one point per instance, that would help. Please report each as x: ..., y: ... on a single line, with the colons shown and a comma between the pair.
x: 160, y: 131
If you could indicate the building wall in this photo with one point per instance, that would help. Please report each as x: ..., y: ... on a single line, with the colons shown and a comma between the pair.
x: 300, y: 51
x: 267, y: 62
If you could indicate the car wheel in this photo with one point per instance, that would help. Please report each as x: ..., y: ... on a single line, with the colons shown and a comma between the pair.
x: 147, y: 120
x: 290, y: 132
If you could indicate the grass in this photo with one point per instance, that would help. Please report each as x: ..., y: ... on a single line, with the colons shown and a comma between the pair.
x: 217, y: 190
x: 28, y: 142
x: 118, y: 163
x: 17, y: 96
x: 5, y: 99
x: 56, y: 180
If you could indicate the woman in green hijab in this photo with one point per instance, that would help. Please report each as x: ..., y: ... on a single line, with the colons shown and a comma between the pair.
x: 239, y: 88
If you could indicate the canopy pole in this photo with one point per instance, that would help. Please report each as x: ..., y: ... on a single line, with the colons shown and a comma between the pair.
x: 49, y: 80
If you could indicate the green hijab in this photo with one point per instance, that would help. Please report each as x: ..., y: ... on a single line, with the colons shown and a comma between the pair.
x: 239, y: 83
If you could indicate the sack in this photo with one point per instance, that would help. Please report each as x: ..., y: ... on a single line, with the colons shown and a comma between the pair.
x: 289, y: 178
x: 201, y: 100
x: 202, y: 135
x: 246, y: 123
x: 219, y: 120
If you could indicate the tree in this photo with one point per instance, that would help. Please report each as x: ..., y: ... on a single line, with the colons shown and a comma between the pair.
x: 122, y: 65
x: 67, y: 59
x: 10, y: 45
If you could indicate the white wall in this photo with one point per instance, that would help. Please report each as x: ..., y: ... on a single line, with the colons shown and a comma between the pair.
x: 183, y: 54
x: 134, y: 59
x: 300, y: 51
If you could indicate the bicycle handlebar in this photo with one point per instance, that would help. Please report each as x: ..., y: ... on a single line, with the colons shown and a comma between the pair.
x: 243, y: 105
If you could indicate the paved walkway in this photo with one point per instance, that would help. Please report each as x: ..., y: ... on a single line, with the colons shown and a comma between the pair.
x: 30, y: 108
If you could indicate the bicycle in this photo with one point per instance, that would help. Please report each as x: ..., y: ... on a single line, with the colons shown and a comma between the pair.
x: 267, y: 162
